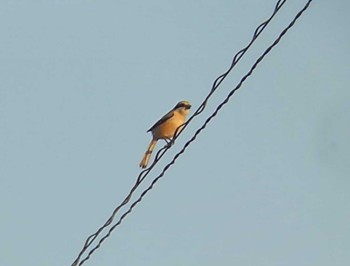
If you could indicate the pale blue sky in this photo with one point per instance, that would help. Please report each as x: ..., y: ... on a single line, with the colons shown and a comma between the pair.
x: 267, y: 183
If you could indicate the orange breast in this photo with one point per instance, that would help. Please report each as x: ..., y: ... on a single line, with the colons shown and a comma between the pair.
x: 168, y: 128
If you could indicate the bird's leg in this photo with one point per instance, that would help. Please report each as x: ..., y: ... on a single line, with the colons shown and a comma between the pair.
x: 169, y: 142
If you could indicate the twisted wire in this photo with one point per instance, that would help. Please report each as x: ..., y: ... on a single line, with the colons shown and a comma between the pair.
x: 143, y: 174
x: 224, y: 102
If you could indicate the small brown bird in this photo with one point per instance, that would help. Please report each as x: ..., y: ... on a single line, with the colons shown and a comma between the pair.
x: 166, y: 127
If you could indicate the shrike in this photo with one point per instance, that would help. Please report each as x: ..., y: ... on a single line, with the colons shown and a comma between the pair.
x: 166, y: 127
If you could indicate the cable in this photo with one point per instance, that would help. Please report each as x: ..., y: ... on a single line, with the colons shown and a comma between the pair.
x: 162, y: 151
x: 200, y: 109
x: 249, y: 73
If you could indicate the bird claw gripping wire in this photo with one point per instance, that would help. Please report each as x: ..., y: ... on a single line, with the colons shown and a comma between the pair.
x: 169, y: 142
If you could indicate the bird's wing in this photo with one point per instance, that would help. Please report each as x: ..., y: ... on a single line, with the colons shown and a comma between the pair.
x: 162, y: 120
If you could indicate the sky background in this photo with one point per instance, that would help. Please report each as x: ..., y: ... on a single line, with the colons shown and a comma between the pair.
x: 266, y: 183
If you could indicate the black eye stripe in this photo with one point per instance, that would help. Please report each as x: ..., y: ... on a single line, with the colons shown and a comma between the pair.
x: 187, y: 106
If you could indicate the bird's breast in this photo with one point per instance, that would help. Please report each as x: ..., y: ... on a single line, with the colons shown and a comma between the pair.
x: 168, y: 128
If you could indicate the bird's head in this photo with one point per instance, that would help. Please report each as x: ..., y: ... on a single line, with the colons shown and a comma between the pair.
x: 183, y: 107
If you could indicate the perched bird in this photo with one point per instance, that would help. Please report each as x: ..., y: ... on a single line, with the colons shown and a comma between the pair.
x: 166, y: 127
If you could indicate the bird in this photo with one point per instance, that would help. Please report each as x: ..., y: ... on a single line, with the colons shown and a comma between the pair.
x: 166, y: 127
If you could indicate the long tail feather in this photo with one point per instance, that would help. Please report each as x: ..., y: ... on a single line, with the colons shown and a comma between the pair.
x: 147, y: 156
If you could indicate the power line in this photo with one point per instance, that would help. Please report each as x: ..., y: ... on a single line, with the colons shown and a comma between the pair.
x: 161, y: 152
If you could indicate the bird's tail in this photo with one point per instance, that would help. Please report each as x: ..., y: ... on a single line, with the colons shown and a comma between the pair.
x: 147, y: 156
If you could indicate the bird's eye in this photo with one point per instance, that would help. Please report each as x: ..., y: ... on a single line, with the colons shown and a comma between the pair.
x: 187, y: 106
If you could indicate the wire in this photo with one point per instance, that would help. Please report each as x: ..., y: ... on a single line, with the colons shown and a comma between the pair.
x: 160, y: 153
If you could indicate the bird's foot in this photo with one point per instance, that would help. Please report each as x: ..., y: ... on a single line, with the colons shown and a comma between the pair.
x: 169, y: 142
